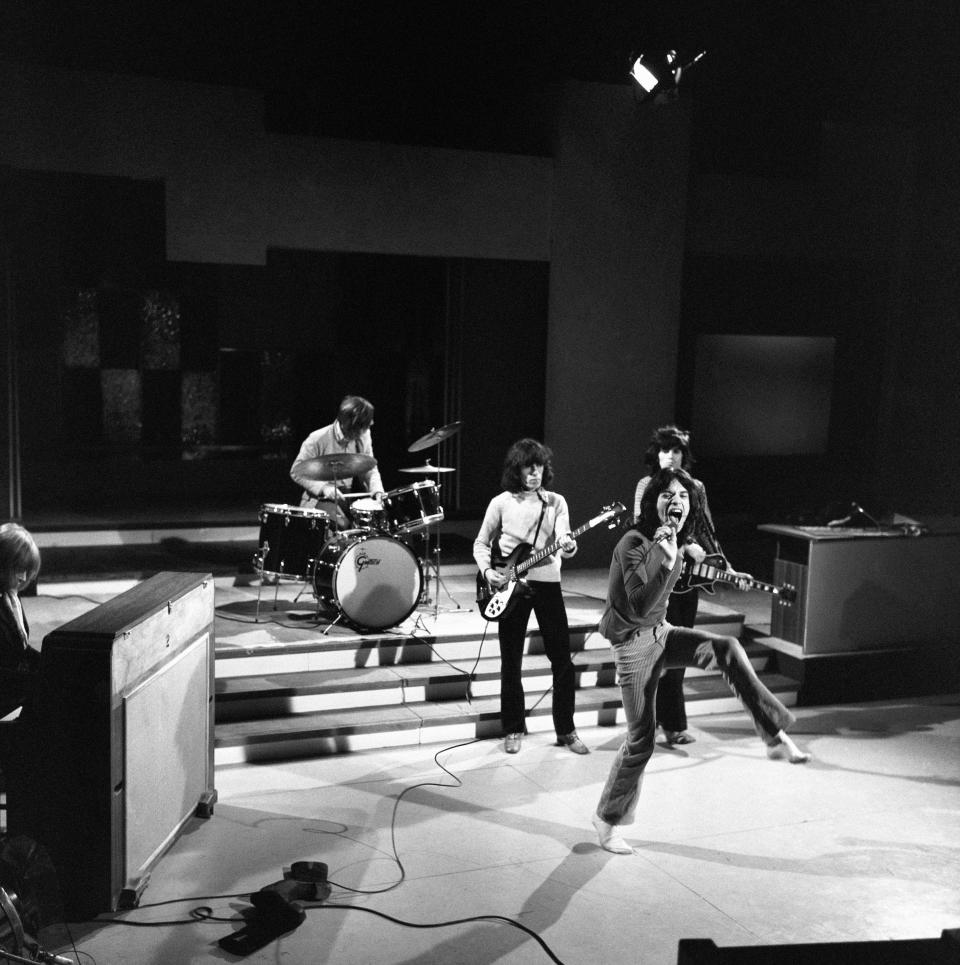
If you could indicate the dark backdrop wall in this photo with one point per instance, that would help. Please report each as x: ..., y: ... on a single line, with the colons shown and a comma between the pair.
x: 854, y: 238
x: 285, y: 207
x: 209, y: 402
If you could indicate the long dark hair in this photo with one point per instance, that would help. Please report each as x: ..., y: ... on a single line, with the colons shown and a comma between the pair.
x: 649, y: 520
x: 524, y: 453
x: 668, y: 437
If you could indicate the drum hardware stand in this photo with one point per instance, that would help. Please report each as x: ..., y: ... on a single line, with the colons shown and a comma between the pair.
x: 432, y: 572
x: 331, y: 624
x: 432, y: 562
x: 258, y: 560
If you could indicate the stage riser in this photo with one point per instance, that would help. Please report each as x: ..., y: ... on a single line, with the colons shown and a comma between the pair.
x: 337, y: 653
x: 341, y: 655
x: 486, y: 683
x: 343, y: 692
x: 232, y: 662
x: 413, y: 732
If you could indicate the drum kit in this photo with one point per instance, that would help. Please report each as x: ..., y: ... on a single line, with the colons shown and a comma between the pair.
x: 370, y: 574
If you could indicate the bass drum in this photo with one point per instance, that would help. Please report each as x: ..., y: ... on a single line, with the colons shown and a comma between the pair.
x: 374, y: 580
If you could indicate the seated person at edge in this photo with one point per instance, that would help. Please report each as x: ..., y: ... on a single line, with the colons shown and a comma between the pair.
x: 349, y: 432
x: 525, y: 512
x: 669, y: 448
x: 19, y: 565
x: 645, y: 566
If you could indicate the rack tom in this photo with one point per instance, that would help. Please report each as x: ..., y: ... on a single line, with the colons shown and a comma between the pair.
x: 413, y: 508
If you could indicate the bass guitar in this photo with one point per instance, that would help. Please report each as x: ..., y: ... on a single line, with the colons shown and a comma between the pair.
x: 713, y: 569
x: 496, y: 605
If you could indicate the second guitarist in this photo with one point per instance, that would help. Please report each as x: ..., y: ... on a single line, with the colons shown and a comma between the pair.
x: 527, y: 512
x: 669, y: 448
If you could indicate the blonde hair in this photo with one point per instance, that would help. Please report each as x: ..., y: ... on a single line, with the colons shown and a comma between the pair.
x: 18, y: 554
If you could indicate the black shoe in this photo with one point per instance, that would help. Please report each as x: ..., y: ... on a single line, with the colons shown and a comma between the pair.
x: 573, y: 742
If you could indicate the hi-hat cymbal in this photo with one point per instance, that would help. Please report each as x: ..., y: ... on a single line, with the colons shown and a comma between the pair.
x: 435, y: 436
x: 427, y: 468
x: 337, y: 465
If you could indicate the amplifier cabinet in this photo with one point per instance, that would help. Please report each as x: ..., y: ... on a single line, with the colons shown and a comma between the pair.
x: 866, y: 590
x: 124, y: 737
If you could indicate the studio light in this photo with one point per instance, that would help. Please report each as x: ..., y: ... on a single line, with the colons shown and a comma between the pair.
x: 657, y: 74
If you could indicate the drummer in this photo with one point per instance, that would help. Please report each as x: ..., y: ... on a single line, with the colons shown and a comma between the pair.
x: 349, y: 432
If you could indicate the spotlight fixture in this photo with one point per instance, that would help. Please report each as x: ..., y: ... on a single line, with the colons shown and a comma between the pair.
x: 658, y: 74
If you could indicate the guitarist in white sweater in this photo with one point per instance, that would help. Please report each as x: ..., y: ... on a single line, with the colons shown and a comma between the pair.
x: 526, y: 517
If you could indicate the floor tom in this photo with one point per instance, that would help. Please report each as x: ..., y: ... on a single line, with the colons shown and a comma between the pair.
x: 291, y: 538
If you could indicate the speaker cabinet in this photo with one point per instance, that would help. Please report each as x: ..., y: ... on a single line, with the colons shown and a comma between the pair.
x: 122, y: 740
x: 944, y: 950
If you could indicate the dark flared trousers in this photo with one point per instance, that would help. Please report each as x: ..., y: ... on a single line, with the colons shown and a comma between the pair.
x: 546, y: 601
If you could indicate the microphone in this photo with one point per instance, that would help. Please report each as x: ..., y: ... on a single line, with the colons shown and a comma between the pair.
x: 672, y: 523
x: 857, y: 508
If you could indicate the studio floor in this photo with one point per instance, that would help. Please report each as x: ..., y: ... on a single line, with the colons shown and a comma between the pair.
x: 462, y: 854
x: 468, y: 862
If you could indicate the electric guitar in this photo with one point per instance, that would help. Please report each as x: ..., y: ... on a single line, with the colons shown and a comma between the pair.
x: 713, y: 569
x: 496, y: 605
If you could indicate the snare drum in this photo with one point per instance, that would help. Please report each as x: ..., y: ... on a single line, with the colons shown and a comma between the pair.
x: 413, y: 507
x: 368, y: 513
x: 291, y: 538
x: 373, y: 579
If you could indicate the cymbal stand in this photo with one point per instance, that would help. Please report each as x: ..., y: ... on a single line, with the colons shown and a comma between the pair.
x: 432, y: 566
x: 334, y: 529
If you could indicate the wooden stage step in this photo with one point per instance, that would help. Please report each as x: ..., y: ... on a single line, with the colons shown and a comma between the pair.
x: 285, y: 690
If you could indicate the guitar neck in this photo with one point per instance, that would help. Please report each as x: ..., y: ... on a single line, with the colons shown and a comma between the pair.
x: 542, y: 554
x: 706, y: 571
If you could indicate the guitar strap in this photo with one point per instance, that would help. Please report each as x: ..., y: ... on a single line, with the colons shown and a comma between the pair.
x: 495, y: 542
x: 543, y: 509
x: 706, y: 522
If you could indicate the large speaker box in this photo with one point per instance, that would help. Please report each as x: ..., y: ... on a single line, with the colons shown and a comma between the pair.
x: 121, y: 740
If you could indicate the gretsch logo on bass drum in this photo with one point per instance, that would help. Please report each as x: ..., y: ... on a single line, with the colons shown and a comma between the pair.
x: 363, y: 561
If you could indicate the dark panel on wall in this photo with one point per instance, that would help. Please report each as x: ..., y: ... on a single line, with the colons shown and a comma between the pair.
x: 503, y: 336
x: 70, y: 233
x: 161, y: 409
x: 83, y: 407
x: 239, y: 394
x: 118, y: 311
x: 365, y: 324
x: 164, y: 378
x: 803, y: 299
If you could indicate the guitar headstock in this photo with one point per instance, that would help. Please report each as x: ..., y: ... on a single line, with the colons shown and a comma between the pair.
x: 786, y: 594
x: 615, y: 510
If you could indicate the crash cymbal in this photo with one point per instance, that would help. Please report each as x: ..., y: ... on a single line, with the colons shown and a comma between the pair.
x: 337, y: 465
x: 435, y: 436
x: 427, y: 468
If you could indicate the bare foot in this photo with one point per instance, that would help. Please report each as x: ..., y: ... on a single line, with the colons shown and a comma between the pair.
x: 786, y: 750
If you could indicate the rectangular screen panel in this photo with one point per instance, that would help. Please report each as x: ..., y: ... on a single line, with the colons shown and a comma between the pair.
x: 167, y: 738
x: 757, y: 395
